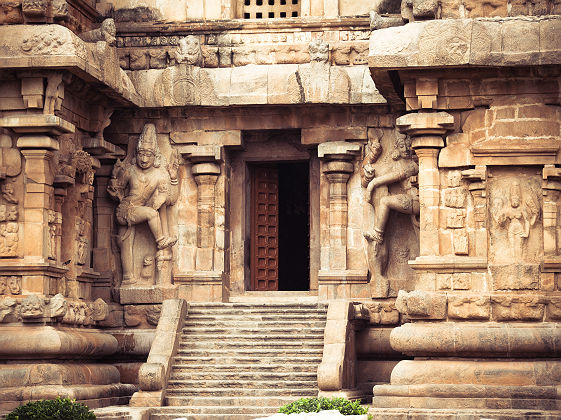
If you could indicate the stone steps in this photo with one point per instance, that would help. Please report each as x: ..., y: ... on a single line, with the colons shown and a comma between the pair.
x: 228, y: 391
x: 237, y: 323
x: 240, y: 361
x: 181, y: 384
x: 236, y: 360
x: 171, y: 413
x: 224, y: 368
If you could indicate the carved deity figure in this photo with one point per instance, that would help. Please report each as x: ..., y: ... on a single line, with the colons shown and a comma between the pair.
x: 145, y: 188
x: 188, y: 51
x: 517, y: 215
x: 379, y: 200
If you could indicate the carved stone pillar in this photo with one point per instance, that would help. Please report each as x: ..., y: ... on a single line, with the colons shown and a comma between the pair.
x: 33, y: 221
x: 427, y: 130
x: 338, y: 173
x: 551, y: 189
x: 335, y: 278
x: 204, y: 282
x: 338, y: 166
x: 205, y: 174
x: 478, y: 180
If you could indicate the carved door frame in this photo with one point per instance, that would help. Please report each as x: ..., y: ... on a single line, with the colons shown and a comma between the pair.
x: 267, y: 146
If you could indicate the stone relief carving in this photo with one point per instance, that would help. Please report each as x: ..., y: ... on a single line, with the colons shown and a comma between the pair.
x: 378, y: 178
x: 54, y: 93
x: 8, y: 191
x: 455, y: 198
x: 319, y: 51
x: 53, y: 229
x: 137, y: 315
x: 188, y: 51
x: 57, y: 306
x: 68, y: 311
x: 45, y: 42
x: 145, y: 186
x: 106, y: 33
x: 9, y: 228
x: 10, y: 285
x: 516, y: 213
x: 32, y: 307
x: 7, y: 307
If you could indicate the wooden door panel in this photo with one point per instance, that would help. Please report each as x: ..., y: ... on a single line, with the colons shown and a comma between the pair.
x: 264, y: 228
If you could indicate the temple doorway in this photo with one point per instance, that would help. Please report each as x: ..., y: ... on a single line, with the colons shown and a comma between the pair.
x: 280, y: 226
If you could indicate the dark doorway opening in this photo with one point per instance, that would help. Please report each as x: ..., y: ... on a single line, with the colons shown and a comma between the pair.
x: 281, y: 262
x: 294, y: 226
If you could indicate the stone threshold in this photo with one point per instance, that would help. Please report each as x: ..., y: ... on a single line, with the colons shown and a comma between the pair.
x: 275, y: 297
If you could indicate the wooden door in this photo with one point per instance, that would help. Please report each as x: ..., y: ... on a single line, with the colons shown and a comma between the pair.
x: 264, y: 228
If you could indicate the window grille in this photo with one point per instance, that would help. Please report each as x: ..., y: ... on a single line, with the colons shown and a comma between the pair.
x: 271, y: 9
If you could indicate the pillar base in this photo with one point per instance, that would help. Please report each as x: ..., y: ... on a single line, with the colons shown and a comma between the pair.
x: 460, y: 414
x: 484, y: 384
x: 96, y: 385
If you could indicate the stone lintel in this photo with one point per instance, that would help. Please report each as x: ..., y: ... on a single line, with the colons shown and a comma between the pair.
x: 199, y: 277
x: 517, y: 151
x: 37, y: 123
x: 449, y: 263
x: 343, y: 277
x: 551, y: 264
x: 339, y: 150
x: 207, y: 137
x: 320, y: 135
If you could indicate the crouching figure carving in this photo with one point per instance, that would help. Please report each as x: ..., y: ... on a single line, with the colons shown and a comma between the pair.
x: 145, y: 186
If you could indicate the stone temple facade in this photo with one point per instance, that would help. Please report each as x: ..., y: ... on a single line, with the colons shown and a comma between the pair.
x: 399, y: 161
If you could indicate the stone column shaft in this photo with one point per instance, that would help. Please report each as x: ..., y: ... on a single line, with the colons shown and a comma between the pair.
x: 429, y: 199
x: 206, y: 174
x: 37, y: 202
x: 338, y: 173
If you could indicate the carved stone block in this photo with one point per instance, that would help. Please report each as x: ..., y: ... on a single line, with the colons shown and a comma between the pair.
x: 456, y: 219
x: 461, y: 242
x: 421, y: 305
x: 383, y: 313
x: 455, y: 197
x: 35, y: 7
x: 515, y: 276
x: 517, y: 308
x: 469, y: 307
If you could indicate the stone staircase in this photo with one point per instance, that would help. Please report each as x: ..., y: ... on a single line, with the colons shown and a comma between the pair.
x: 244, y: 360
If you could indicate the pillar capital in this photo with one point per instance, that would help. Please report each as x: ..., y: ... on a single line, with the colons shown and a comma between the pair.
x: 429, y: 125
x: 201, y: 153
x: 338, y: 150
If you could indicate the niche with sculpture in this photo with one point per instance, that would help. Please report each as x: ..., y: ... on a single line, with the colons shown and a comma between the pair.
x: 515, y: 234
x: 391, y: 209
x: 10, y: 190
x: 145, y: 184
